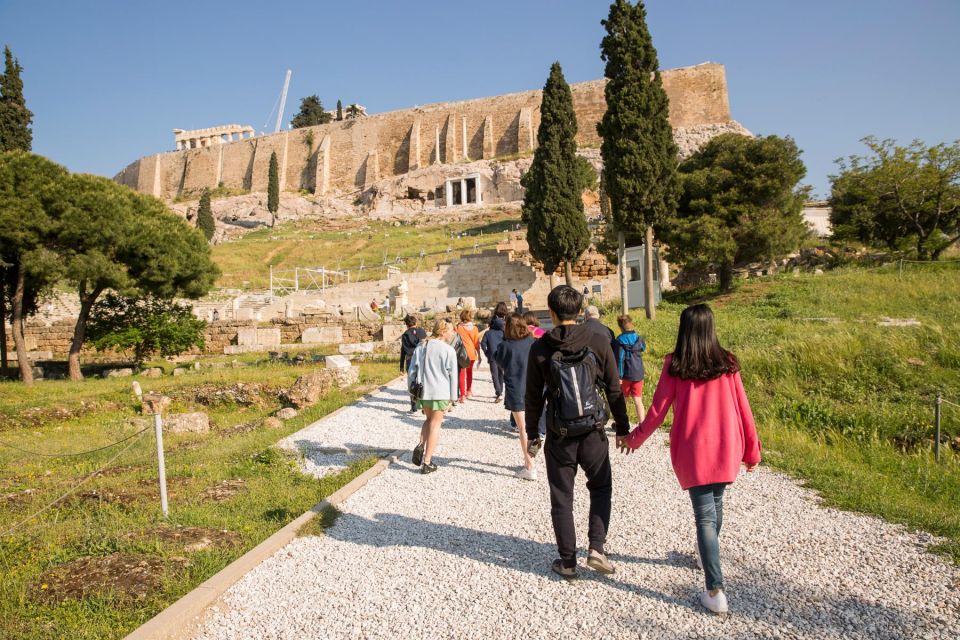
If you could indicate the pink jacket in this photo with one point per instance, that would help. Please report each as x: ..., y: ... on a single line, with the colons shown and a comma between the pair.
x: 713, y: 429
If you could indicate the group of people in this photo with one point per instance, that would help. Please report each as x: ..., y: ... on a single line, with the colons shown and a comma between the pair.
x: 562, y: 386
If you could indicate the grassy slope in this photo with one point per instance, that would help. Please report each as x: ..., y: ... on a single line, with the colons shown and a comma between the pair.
x: 275, y: 491
x: 307, y: 243
x: 841, y: 402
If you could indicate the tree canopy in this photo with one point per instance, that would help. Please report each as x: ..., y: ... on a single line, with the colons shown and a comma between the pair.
x: 205, y: 220
x: 311, y: 113
x: 739, y: 201
x: 899, y: 195
x: 15, y: 118
x: 553, y: 203
x: 273, y: 187
x: 639, y: 154
x: 144, y: 325
x: 30, y: 188
x: 112, y: 238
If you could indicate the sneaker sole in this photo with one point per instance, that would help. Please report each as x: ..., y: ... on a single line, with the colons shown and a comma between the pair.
x: 599, y: 568
x: 568, y: 578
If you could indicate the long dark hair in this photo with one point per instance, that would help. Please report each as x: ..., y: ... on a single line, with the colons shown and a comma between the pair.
x: 500, y: 311
x: 698, y: 354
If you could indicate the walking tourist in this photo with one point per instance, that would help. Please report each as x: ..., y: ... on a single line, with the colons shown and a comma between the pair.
x: 434, y: 368
x: 591, y: 320
x: 408, y: 344
x: 471, y: 341
x: 628, y: 349
x: 489, y: 343
x: 512, y: 357
x: 513, y: 299
x: 713, y: 432
x: 519, y: 301
x: 575, y: 364
x: 533, y: 324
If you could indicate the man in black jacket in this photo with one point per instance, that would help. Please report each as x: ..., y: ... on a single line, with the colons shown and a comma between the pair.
x: 590, y: 451
x: 408, y: 344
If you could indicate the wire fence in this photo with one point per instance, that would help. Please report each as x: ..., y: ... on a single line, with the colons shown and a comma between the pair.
x: 70, y: 455
x: 72, y: 489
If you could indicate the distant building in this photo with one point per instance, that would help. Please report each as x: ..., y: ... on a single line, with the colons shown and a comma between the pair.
x: 816, y: 213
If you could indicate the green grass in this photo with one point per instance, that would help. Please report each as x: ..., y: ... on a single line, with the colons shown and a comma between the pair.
x: 841, y: 402
x: 63, y: 416
x: 311, y: 243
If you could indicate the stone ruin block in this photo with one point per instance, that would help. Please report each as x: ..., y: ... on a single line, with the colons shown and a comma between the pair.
x: 268, y: 336
x: 322, y: 335
x: 393, y: 331
x: 359, y: 347
x: 337, y: 362
x: 247, y: 336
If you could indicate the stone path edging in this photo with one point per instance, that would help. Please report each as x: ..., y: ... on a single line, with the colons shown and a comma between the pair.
x: 173, y: 621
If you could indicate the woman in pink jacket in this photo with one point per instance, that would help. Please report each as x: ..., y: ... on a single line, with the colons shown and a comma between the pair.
x: 712, y: 433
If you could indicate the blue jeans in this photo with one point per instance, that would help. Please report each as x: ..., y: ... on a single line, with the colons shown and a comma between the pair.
x: 708, y: 511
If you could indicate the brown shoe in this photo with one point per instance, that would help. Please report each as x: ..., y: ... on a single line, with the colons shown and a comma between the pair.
x: 599, y: 563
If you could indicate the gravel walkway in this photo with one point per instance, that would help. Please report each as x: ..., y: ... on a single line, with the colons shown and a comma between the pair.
x: 465, y: 552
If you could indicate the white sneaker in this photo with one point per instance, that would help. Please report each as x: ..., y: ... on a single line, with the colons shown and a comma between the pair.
x: 527, y: 474
x: 717, y: 603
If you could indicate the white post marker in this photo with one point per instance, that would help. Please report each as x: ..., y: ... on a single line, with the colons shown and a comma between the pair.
x: 158, y: 429
x: 154, y: 403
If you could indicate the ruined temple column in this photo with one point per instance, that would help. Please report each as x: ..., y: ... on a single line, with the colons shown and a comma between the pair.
x: 466, y: 156
x: 463, y: 191
x: 436, y: 144
x: 448, y: 192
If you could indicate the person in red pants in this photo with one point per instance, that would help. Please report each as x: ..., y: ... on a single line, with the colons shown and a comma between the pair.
x: 471, y: 341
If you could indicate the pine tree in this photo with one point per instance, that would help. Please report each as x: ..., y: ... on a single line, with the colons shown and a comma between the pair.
x: 639, y: 154
x: 553, y: 203
x: 273, y: 188
x: 311, y: 113
x: 205, y: 216
x: 15, y: 118
x: 339, y: 111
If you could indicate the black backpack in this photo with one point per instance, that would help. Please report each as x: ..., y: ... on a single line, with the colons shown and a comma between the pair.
x: 631, y: 360
x: 463, y: 358
x: 575, y: 402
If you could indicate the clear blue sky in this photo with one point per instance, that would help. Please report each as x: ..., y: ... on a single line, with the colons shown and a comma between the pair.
x: 107, y: 80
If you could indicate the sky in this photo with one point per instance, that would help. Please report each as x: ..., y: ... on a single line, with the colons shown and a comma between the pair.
x: 107, y: 80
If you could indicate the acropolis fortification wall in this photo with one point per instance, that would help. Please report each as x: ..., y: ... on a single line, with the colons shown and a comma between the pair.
x: 348, y: 155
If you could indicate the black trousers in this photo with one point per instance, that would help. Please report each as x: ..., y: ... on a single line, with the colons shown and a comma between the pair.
x: 591, y: 453
x: 497, y: 374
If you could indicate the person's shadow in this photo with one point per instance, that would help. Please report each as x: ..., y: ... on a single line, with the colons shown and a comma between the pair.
x: 773, y: 599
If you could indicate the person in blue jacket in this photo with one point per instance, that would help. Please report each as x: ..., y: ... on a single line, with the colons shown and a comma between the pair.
x: 492, y: 338
x: 628, y: 348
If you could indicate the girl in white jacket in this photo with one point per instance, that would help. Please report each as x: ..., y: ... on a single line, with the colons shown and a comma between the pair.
x: 434, y: 365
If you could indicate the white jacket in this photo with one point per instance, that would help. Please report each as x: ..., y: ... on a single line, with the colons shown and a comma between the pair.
x: 434, y: 363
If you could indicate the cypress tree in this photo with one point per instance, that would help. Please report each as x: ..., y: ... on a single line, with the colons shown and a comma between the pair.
x: 15, y: 118
x: 553, y: 203
x: 639, y: 154
x: 205, y: 216
x: 339, y: 110
x: 273, y: 188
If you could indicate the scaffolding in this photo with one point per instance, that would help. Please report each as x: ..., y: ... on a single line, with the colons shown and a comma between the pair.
x: 286, y: 281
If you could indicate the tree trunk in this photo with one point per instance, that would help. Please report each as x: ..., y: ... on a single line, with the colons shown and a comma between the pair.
x: 550, y: 275
x: 16, y: 321
x: 649, y: 302
x: 79, y: 332
x: 726, y: 276
x: 3, y: 327
x: 568, y: 273
x: 622, y: 273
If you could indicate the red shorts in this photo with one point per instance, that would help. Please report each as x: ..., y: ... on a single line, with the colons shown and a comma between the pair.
x: 632, y: 388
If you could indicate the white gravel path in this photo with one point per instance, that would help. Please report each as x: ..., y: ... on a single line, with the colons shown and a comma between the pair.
x: 465, y: 552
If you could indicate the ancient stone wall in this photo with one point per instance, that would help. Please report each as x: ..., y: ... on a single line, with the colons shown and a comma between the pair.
x: 349, y: 155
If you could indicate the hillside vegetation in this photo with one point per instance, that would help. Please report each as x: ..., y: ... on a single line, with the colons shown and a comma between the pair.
x: 841, y: 401
x: 246, y: 262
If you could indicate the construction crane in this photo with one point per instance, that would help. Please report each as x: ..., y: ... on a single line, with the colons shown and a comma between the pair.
x: 283, y: 101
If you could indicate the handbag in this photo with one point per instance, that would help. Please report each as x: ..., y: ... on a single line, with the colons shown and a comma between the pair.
x: 415, y: 385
